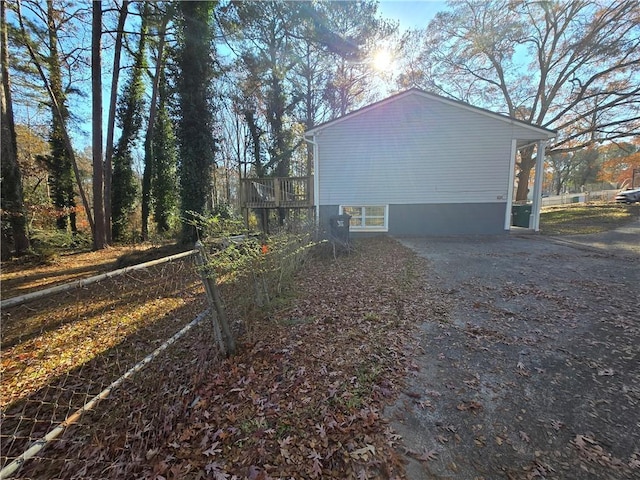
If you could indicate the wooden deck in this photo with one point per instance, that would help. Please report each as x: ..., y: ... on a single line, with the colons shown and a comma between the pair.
x: 277, y: 192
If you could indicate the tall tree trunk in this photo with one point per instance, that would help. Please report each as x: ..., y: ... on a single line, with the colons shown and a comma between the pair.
x: 148, y: 141
x: 113, y: 99
x: 130, y: 115
x: 12, y: 198
x: 165, y: 160
x: 99, y: 231
x: 196, y: 119
x: 255, y: 133
x: 527, y: 162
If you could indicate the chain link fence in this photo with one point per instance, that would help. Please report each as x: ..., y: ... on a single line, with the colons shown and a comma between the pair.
x: 143, y: 338
x: 65, y: 349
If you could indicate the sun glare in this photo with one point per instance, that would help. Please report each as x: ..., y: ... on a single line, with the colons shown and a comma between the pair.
x: 382, y: 60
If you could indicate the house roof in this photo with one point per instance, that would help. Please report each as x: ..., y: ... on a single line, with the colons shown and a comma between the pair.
x: 545, y: 133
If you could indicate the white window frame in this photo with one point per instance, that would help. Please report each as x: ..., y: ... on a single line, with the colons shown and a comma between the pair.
x: 365, y: 228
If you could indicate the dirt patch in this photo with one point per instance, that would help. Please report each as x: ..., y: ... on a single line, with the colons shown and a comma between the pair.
x: 535, y: 371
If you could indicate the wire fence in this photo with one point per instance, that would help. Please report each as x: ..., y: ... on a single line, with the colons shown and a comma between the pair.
x: 67, y: 349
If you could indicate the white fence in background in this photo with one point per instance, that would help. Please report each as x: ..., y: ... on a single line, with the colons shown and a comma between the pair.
x: 583, y: 197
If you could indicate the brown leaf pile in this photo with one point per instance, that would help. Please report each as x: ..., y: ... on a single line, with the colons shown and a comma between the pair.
x: 305, y: 399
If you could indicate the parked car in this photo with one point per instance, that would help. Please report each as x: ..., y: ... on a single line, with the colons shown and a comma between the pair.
x: 629, y: 196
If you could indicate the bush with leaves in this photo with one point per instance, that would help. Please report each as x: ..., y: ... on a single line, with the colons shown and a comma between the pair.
x: 251, y: 270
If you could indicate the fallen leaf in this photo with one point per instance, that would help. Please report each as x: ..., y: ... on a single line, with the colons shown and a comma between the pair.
x: 363, y: 453
x: 472, y: 406
x: 480, y: 441
x: 151, y: 453
x: 557, y: 424
x: 427, y: 455
x: 212, y: 450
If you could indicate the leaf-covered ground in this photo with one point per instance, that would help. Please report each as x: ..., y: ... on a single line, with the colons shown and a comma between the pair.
x: 509, y: 357
x: 303, y: 398
x: 28, y: 274
x: 59, y: 352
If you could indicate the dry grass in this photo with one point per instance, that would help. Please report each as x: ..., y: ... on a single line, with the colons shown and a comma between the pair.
x: 586, y: 218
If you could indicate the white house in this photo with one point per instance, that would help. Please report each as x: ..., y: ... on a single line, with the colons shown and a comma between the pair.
x: 421, y: 164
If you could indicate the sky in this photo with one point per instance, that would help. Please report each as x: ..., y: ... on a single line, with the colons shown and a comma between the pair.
x: 411, y: 13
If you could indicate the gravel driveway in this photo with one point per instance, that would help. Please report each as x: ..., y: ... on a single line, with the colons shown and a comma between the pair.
x: 532, y: 370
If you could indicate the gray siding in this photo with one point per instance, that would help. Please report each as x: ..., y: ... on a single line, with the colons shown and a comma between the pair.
x: 441, y: 219
x: 415, y: 150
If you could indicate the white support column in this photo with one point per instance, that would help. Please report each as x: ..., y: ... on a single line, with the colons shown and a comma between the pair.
x: 534, y: 220
x: 510, y: 186
x: 316, y: 182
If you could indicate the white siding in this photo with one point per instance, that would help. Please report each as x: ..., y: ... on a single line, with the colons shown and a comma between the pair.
x: 415, y: 150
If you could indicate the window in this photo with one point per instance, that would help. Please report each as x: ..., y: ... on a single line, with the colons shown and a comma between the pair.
x: 367, y: 217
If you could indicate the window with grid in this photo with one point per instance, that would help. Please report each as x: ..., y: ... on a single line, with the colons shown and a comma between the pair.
x: 366, y: 217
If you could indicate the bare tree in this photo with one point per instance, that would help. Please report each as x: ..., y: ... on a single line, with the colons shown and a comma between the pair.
x: 111, y: 121
x: 570, y: 66
x: 148, y: 141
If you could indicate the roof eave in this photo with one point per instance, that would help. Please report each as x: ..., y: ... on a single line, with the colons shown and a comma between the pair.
x: 549, y: 134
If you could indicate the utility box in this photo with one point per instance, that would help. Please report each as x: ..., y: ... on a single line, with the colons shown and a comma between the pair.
x: 339, y: 228
x: 520, y: 215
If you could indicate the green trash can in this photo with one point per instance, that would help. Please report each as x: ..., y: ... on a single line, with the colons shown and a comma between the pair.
x: 520, y: 215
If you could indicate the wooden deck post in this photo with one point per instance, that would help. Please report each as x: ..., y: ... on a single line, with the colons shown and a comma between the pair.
x: 276, y: 191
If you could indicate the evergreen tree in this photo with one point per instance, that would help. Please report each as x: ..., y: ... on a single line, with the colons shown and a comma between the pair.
x: 43, y: 35
x: 159, y: 19
x: 164, y: 180
x: 113, y: 101
x: 60, y: 163
x: 195, y: 116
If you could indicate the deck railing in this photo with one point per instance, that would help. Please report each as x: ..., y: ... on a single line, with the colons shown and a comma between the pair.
x: 277, y: 192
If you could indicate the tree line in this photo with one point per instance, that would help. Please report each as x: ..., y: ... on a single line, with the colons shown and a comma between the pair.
x: 198, y: 94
